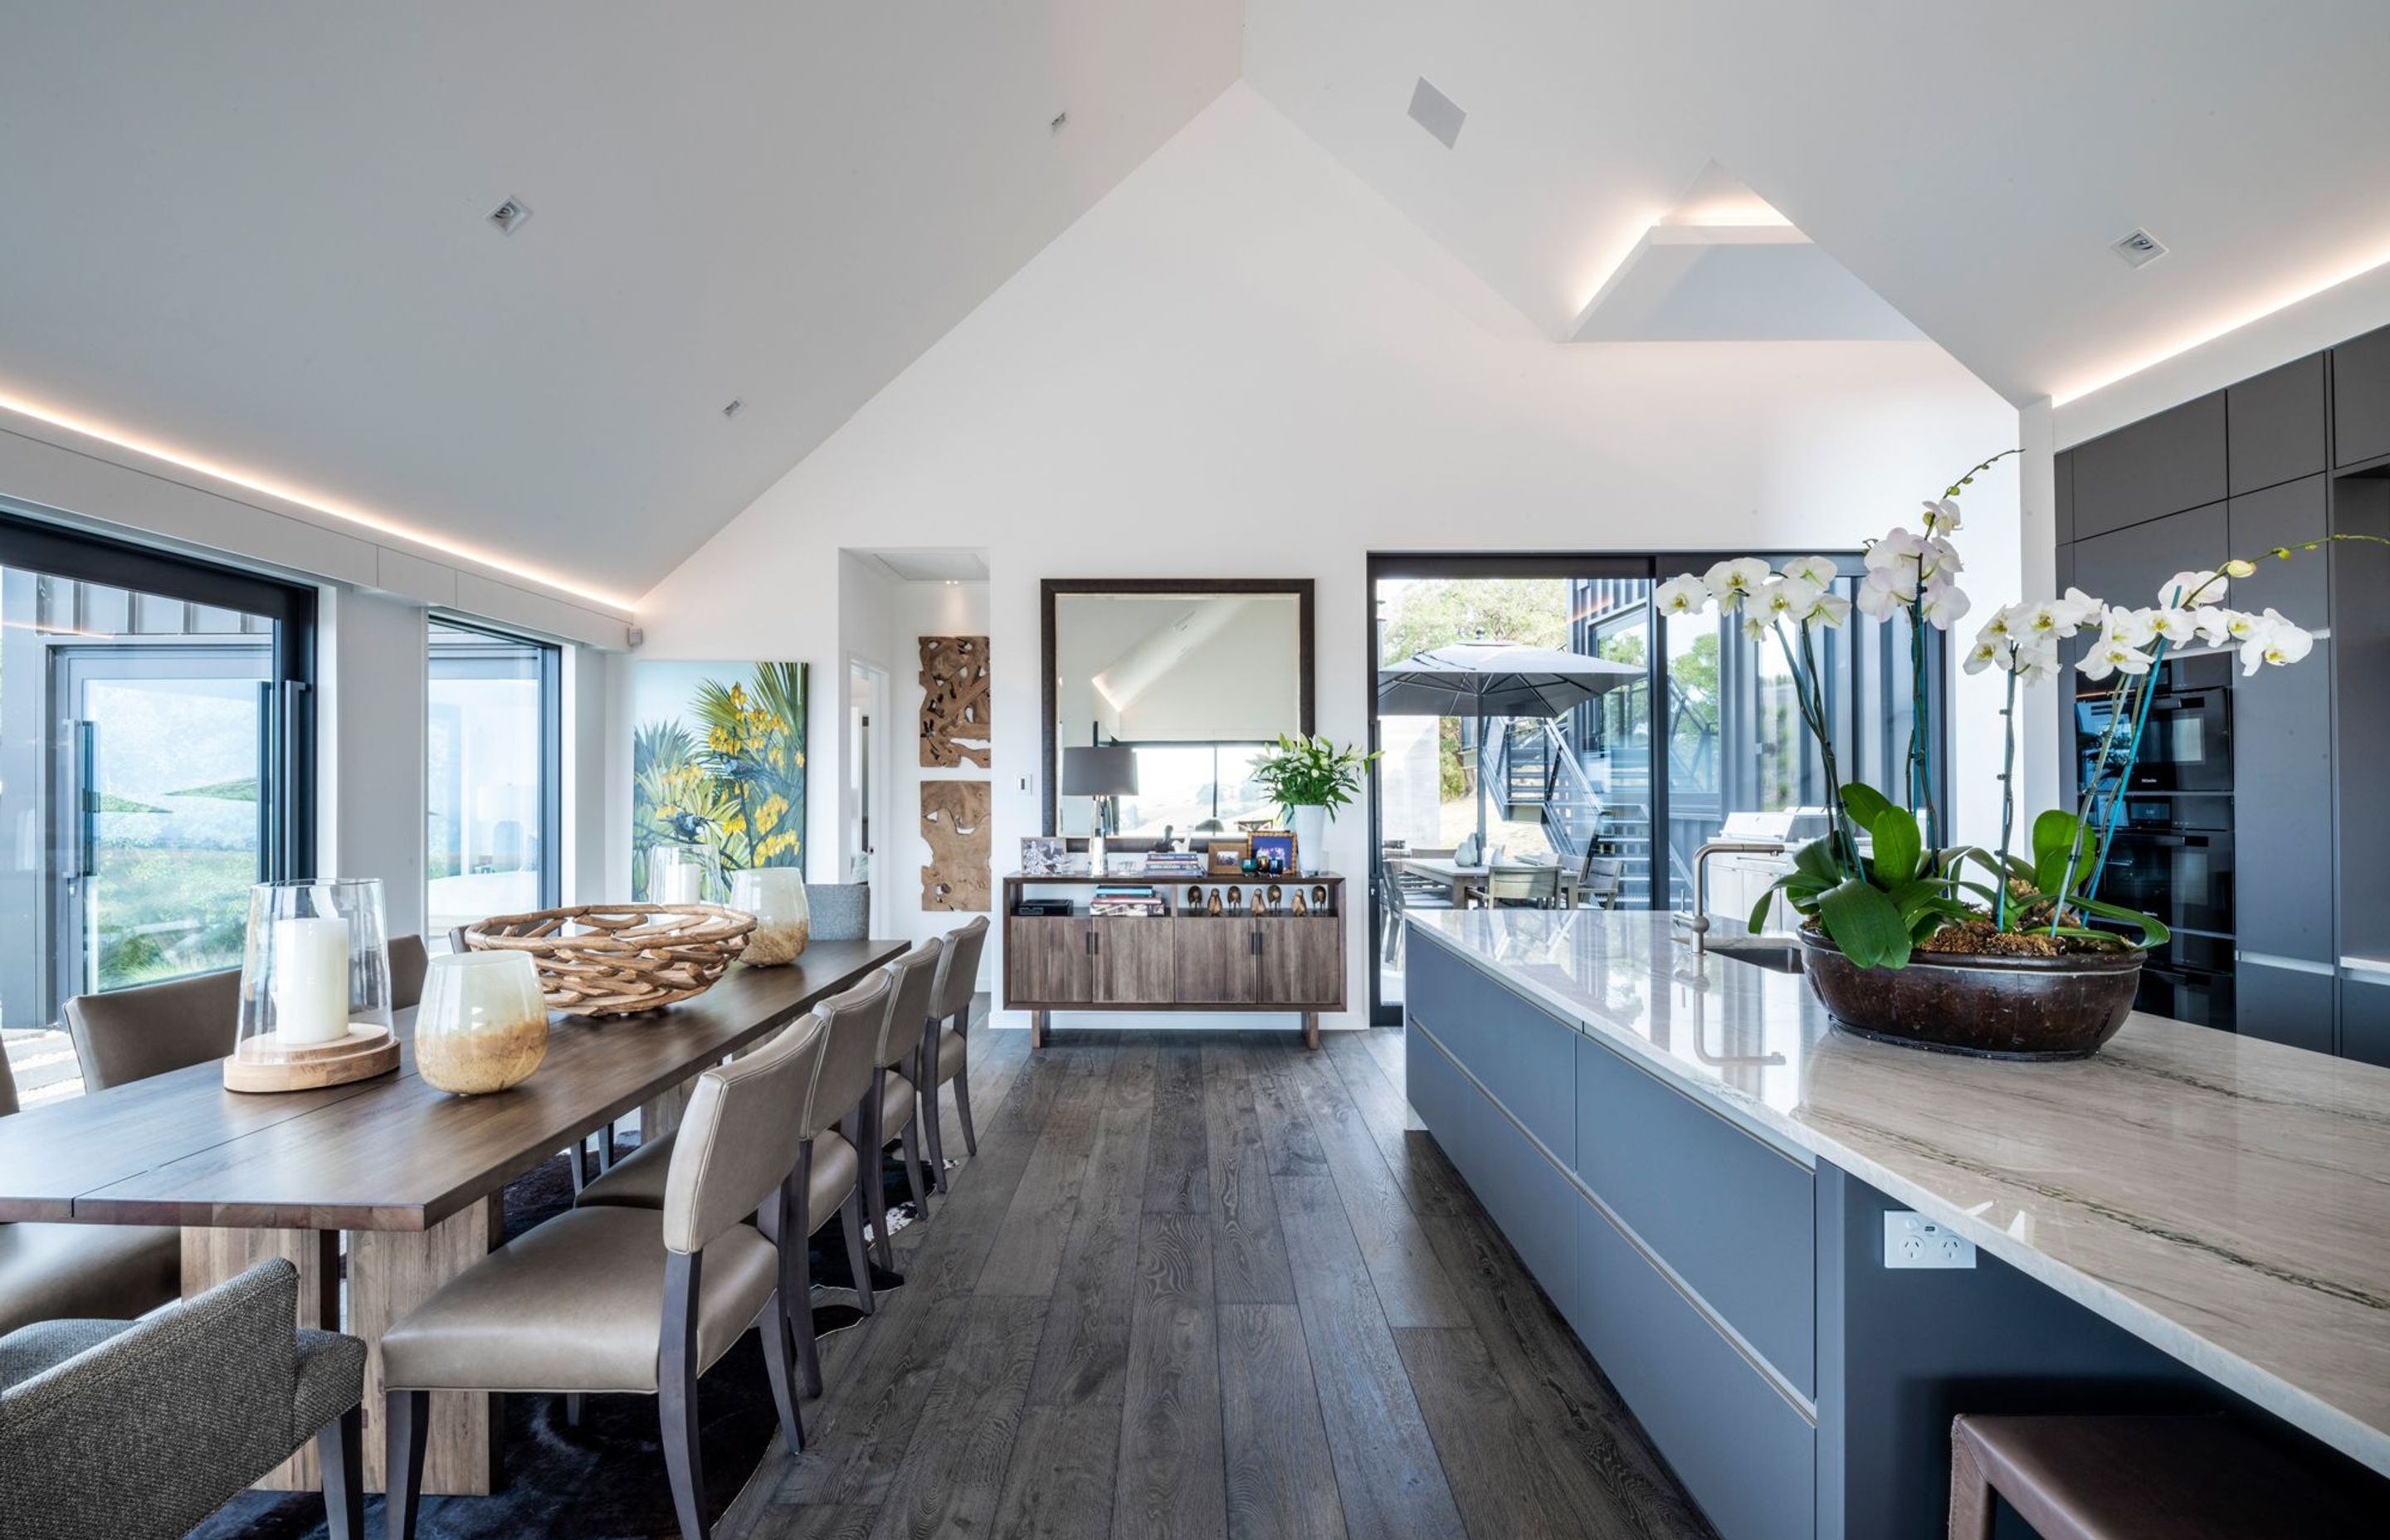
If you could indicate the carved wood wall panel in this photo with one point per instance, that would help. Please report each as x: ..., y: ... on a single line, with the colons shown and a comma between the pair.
x: 954, y: 702
x: 954, y: 823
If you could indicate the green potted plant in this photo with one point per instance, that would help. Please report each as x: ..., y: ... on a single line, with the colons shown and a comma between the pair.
x: 2007, y: 953
x: 1310, y: 779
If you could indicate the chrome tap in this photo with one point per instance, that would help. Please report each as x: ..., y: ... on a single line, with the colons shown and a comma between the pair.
x: 1698, y: 922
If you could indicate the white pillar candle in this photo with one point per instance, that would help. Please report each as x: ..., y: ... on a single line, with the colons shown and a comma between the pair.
x: 680, y: 882
x: 311, y: 981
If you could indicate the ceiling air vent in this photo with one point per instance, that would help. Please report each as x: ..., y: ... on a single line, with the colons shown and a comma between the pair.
x: 1436, y: 112
x: 508, y: 216
x: 2139, y: 250
x: 734, y: 409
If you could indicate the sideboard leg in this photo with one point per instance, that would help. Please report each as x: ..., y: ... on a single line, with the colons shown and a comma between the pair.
x: 1039, y: 1021
x: 1311, y: 1028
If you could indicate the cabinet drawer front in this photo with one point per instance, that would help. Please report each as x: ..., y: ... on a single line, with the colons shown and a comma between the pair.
x: 1529, y: 1199
x: 1743, y: 1451
x: 1734, y: 1217
x: 1522, y: 1055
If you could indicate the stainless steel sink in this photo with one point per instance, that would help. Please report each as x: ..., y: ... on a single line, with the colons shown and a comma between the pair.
x: 1774, y: 953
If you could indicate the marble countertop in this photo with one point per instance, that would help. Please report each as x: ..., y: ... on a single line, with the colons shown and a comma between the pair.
x: 2226, y: 1200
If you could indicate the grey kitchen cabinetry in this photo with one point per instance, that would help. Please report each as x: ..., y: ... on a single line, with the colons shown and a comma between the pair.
x: 2283, y: 1005
x: 2126, y: 565
x: 2360, y: 398
x: 2365, y: 1015
x: 2160, y: 465
x: 2281, y: 738
x: 2275, y: 426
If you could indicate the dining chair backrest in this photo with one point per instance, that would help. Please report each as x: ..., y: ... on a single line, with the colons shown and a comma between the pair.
x: 736, y: 1142
x: 1604, y: 877
x: 129, y: 1034
x: 958, y: 969
x: 410, y: 960
x: 912, y: 976
x: 858, y: 1019
x: 1523, y: 884
x: 7, y: 1088
x: 838, y: 911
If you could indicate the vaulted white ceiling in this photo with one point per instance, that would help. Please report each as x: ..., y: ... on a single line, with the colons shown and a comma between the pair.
x: 1969, y: 160
x: 261, y: 238
x: 257, y: 234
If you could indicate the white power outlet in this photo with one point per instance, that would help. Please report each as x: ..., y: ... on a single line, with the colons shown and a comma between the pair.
x: 1913, y: 1241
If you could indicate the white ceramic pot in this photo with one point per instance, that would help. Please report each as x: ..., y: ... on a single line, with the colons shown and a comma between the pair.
x: 1310, y: 826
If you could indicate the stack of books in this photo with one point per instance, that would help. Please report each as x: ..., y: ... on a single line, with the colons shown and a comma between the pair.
x: 1127, y: 898
x: 1173, y: 863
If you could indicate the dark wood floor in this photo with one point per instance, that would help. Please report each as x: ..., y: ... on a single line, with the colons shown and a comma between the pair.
x: 1210, y: 1287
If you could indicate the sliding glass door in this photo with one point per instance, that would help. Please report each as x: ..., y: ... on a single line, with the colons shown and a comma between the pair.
x: 1604, y: 801
x: 155, y: 761
x: 494, y: 788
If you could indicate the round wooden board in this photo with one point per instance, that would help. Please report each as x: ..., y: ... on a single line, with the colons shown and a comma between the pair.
x: 263, y: 1067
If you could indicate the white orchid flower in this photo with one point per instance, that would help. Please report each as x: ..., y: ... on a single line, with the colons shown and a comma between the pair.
x: 2003, y: 623
x: 1879, y: 597
x: 1989, y: 650
x: 1942, y: 514
x: 1896, y: 549
x: 1945, y: 603
x: 2132, y: 627
x: 2189, y: 590
x: 2037, y: 664
x: 1832, y: 610
x: 2109, y: 656
x: 2236, y: 568
x: 1820, y: 569
x: 2276, y: 641
x: 2212, y: 624
x: 1686, y: 595
x: 1754, y: 629
x: 1940, y: 558
x: 2176, y: 625
x: 2239, y: 625
x: 1788, y: 598
x: 1732, y: 582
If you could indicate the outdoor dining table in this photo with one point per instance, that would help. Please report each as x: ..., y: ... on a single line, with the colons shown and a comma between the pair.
x: 413, y: 1176
x: 1460, y: 879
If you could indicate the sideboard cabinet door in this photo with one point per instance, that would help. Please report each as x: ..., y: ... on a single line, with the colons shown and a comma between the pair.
x: 1133, y: 965
x: 1302, y: 960
x: 1219, y: 960
x: 1049, y: 960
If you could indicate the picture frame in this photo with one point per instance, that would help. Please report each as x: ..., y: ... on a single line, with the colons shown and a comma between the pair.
x: 1276, y: 842
x: 1044, y: 855
x: 1227, y: 854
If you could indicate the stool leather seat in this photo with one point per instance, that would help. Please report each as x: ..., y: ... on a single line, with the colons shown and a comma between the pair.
x: 2137, y: 1477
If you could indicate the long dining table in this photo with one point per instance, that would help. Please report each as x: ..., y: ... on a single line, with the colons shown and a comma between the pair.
x: 412, y: 1177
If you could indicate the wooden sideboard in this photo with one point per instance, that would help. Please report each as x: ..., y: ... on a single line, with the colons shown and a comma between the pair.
x: 1184, y: 960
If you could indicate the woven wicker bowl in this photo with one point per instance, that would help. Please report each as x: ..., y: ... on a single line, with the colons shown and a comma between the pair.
x: 618, y: 959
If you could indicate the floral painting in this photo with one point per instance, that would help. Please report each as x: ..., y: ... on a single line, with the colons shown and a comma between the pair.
x: 717, y: 769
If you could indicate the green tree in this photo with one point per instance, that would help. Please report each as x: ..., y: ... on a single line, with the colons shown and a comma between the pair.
x: 1436, y: 613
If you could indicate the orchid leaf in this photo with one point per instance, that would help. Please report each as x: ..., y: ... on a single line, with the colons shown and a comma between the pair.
x: 1899, y: 851
x: 1865, y: 803
x: 1865, y: 924
x: 2153, y: 932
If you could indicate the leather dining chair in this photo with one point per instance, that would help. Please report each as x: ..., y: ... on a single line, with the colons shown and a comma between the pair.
x: 894, y: 1090
x: 634, y: 1300
x: 410, y: 960
x: 828, y: 1167
x: 945, y: 1055
x: 59, y: 1272
x: 129, y: 1034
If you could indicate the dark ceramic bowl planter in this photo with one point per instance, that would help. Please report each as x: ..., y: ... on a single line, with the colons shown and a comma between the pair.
x: 1989, y: 1007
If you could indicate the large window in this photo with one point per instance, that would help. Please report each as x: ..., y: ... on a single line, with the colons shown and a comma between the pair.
x: 155, y: 756
x: 1618, y: 806
x: 493, y: 788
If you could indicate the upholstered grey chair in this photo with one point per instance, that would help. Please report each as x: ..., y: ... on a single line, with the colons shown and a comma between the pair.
x: 894, y: 1091
x: 945, y: 1055
x: 629, y: 1300
x: 410, y: 960
x: 138, y: 1430
x: 129, y: 1034
x: 47, y: 1270
x: 839, y: 911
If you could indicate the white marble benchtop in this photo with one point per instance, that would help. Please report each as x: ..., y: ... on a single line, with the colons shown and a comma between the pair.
x: 2225, y: 1200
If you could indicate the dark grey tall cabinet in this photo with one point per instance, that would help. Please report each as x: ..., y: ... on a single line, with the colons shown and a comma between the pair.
x: 2279, y: 460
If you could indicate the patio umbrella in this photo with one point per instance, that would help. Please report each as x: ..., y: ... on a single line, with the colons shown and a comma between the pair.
x: 1483, y: 679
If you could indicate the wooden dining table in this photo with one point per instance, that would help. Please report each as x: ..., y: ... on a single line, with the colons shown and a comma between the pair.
x: 412, y: 1177
x: 1460, y: 879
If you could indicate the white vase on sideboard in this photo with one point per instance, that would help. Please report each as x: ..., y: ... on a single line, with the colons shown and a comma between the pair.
x: 1310, y: 826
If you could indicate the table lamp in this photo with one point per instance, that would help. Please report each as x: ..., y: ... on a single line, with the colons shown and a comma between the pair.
x: 1101, y: 771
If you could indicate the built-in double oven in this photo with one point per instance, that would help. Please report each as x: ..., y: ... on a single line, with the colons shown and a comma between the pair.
x: 2171, y: 853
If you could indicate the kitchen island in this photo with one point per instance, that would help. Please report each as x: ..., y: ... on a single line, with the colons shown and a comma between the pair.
x: 1699, y: 1170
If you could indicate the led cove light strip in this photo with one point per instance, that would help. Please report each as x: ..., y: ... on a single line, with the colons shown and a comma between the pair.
x: 348, y: 516
x: 2226, y: 329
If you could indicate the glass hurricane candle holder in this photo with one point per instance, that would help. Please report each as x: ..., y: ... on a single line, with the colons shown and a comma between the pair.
x: 482, y: 1026
x: 675, y: 876
x: 775, y: 896
x: 314, y: 987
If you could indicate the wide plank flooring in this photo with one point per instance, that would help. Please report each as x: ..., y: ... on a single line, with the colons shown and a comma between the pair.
x: 1211, y: 1286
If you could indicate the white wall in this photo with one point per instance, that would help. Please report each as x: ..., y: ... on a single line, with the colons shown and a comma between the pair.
x: 1243, y: 363
x: 370, y: 746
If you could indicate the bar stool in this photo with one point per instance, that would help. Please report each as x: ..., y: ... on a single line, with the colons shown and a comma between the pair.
x: 2136, y: 1478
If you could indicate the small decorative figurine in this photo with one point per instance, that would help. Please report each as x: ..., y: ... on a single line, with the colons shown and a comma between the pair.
x: 1300, y: 907
x: 1216, y: 903
x: 1277, y: 898
x: 1194, y: 897
x: 1235, y: 901
x: 1319, y: 899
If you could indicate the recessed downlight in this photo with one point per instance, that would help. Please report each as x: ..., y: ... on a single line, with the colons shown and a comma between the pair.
x: 510, y: 216
x: 2137, y: 249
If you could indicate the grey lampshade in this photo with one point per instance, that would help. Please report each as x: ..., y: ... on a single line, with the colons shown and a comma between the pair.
x: 1106, y: 771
